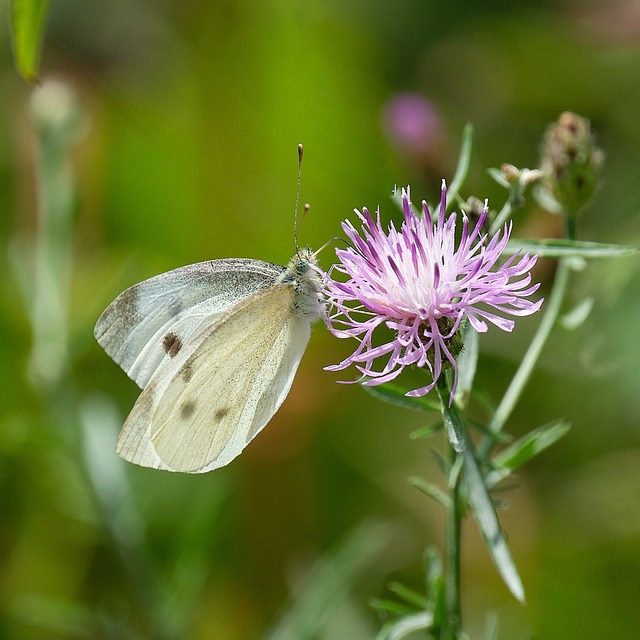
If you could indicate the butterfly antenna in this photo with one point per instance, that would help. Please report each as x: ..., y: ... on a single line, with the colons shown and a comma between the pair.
x: 295, y: 214
x: 331, y: 241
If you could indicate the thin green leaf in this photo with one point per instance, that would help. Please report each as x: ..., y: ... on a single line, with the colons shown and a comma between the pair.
x: 430, y: 490
x: 405, y: 626
x: 440, y: 462
x: 527, y: 447
x: 27, y: 22
x: 426, y: 432
x: 395, y: 394
x: 467, y: 363
x: 435, y: 586
x: 454, y: 429
x: 486, y: 517
x: 501, y: 436
x: 433, y: 572
x: 576, y: 316
x: 492, y: 626
x: 463, y: 163
x: 561, y: 248
x: 396, y: 198
x: 328, y: 582
x: 55, y: 616
x: 498, y: 176
x: 454, y: 472
x: 391, y: 606
x: 409, y: 595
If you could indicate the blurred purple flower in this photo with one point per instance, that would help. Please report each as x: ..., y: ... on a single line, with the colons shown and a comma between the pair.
x: 412, y: 124
x: 421, y: 284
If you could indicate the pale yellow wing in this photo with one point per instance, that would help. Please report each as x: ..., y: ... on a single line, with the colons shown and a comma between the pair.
x: 220, y: 392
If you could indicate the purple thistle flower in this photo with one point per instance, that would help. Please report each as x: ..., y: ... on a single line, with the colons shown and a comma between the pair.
x: 422, y: 284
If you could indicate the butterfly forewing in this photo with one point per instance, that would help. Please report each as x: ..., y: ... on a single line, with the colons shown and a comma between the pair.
x: 149, y: 323
x: 211, y: 400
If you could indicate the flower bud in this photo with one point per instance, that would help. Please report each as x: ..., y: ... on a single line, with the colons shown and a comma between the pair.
x: 571, y: 162
x: 57, y: 113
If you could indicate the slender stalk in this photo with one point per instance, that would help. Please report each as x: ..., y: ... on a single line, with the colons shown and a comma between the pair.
x: 522, y: 375
x: 453, y: 539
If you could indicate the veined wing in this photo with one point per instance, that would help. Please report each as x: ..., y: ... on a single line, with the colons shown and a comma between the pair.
x: 149, y: 323
x: 215, y: 396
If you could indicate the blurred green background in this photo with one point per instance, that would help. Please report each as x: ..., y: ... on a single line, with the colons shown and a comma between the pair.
x: 181, y: 147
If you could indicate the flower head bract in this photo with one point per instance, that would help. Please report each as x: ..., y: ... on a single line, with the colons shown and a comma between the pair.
x: 421, y: 282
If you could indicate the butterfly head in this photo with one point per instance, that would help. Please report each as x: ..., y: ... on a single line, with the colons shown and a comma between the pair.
x: 303, y: 274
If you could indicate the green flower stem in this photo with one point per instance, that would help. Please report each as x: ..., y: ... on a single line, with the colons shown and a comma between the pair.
x: 520, y: 379
x: 453, y: 549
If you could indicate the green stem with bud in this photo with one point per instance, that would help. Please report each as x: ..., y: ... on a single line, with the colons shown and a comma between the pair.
x: 531, y: 357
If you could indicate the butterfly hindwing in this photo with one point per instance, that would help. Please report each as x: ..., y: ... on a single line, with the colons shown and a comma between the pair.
x: 219, y: 391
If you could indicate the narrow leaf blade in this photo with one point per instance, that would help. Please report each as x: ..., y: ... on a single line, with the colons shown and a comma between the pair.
x: 328, y: 582
x: 27, y: 22
x: 467, y: 364
x: 452, y: 425
x: 395, y: 394
x: 430, y: 490
x: 463, y: 163
x: 526, y: 448
x: 406, y: 626
x: 562, y: 248
x: 487, y: 519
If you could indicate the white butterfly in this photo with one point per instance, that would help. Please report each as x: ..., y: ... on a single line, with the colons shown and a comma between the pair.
x: 215, y: 347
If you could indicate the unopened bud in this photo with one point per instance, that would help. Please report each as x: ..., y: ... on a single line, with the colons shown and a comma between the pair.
x: 56, y: 111
x: 571, y: 162
x: 519, y: 177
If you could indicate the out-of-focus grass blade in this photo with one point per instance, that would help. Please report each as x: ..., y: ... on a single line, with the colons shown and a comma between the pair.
x: 395, y: 394
x: 561, y: 248
x: 430, y: 490
x: 426, y: 432
x: 409, y: 595
x: 435, y: 587
x: 462, y: 169
x: 328, y: 582
x: 492, y: 626
x: 576, y: 316
x: 527, y: 447
x: 391, y: 606
x: 27, y: 22
x: 406, y: 626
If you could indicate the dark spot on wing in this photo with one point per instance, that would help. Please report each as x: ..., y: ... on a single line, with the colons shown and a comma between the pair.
x: 187, y: 372
x: 187, y: 409
x: 172, y: 344
x: 221, y: 413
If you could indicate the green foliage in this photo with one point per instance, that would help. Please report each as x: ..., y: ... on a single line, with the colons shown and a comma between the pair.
x: 27, y: 21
